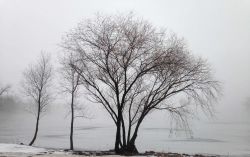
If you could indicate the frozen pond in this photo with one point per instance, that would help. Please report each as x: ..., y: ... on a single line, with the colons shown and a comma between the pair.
x: 208, y: 137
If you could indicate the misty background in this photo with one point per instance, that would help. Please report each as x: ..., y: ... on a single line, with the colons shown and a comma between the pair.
x: 218, y: 30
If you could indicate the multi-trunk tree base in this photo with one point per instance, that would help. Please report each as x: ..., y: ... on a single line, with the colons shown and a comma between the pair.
x: 127, y: 150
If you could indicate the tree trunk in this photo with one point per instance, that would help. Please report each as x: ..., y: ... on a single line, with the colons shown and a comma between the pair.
x: 130, y: 148
x: 123, y: 133
x: 72, y: 123
x: 37, y: 123
x: 118, y: 136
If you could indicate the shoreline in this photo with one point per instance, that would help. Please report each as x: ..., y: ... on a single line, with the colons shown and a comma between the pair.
x: 18, y: 150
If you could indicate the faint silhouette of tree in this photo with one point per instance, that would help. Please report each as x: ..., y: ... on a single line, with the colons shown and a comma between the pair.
x: 4, y: 89
x: 247, y: 103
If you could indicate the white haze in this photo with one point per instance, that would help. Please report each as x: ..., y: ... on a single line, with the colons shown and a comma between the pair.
x: 218, y: 30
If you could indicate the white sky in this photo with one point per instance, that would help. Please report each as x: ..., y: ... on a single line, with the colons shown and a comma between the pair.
x: 218, y: 30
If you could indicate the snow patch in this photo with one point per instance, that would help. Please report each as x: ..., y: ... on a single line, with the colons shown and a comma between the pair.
x: 20, y: 148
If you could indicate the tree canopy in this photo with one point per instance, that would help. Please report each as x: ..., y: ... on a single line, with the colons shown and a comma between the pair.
x: 133, y: 68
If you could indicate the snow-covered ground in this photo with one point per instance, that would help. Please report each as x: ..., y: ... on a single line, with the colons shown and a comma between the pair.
x: 20, y: 148
x: 16, y: 150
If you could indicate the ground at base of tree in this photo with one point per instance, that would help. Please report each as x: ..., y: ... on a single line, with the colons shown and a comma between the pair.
x: 15, y: 150
x: 147, y: 153
x: 85, y: 154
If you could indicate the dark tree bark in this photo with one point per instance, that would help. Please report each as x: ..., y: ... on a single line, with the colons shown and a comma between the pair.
x: 72, y: 122
x: 36, y: 129
x: 118, y: 137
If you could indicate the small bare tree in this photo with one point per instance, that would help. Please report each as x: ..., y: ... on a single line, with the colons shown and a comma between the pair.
x: 70, y: 86
x: 36, y: 85
x: 4, y: 89
x: 133, y: 69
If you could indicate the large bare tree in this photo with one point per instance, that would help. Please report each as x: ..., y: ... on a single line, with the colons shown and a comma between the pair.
x: 36, y: 85
x: 70, y: 86
x: 132, y: 68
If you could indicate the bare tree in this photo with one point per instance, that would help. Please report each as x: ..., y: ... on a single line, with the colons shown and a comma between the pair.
x: 133, y: 69
x: 36, y: 85
x: 70, y: 85
x: 4, y: 89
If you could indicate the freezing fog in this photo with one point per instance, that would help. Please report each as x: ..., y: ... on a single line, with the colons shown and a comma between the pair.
x: 217, y: 30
